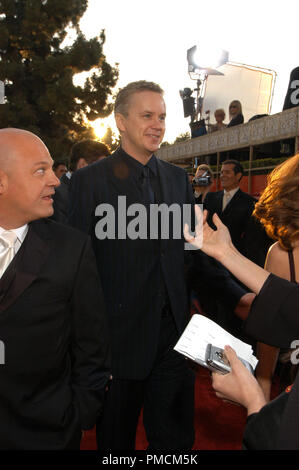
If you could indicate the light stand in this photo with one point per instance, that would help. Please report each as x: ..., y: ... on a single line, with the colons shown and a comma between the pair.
x: 203, y: 62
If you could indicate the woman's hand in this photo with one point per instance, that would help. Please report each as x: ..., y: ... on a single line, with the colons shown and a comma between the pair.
x: 217, y: 243
x: 239, y: 385
x: 212, y: 242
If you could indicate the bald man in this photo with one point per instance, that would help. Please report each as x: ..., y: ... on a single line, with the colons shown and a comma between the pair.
x: 52, y: 319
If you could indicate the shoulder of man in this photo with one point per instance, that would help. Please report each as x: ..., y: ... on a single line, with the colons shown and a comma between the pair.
x: 213, y: 195
x: 48, y: 228
x: 171, y: 167
x: 247, y: 197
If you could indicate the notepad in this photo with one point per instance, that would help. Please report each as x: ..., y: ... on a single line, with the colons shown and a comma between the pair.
x: 202, y: 331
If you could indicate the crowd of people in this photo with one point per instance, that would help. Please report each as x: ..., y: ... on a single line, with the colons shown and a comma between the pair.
x: 93, y: 298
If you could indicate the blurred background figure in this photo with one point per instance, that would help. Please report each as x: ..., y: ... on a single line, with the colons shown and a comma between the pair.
x: 202, y: 182
x: 59, y: 168
x: 82, y: 154
x: 277, y: 210
x: 235, y: 114
x: 198, y: 128
x: 190, y: 177
x: 219, y: 116
x: 85, y: 152
x: 231, y: 204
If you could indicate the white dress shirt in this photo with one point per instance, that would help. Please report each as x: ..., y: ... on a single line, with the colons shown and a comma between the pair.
x: 227, y: 196
x: 20, y: 232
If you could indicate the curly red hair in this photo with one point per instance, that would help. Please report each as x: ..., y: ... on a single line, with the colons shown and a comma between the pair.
x: 278, y: 206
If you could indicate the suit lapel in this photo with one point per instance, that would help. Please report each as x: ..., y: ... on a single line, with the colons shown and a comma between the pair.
x: 25, y: 266
x: 122, y: 178
x: 168, y: 184
x: 219, y: 201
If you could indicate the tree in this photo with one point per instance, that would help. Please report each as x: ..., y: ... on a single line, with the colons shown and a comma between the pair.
x: 111, y: 139
x: 182, y: 137
x: 38, y: 72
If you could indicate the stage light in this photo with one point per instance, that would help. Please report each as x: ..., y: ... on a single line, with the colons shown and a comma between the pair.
x: 206, y: 59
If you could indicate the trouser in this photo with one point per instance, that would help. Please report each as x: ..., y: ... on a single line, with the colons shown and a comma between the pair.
x: 167, y: 397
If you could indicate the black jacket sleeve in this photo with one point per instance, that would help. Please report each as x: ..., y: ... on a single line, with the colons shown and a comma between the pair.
x: 81, y: 200
x: 274, y: 318
x: 89, y: 341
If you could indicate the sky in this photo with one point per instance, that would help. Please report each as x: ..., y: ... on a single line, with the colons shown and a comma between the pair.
x: 149, y: 40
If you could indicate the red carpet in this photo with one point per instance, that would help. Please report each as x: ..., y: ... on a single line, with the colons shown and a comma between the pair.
x: 218, y: 425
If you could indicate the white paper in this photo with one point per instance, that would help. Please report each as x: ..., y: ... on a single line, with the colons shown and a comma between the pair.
x: 201, y: 331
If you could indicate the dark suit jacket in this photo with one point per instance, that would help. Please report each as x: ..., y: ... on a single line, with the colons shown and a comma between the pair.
x: 246, y: 232
x: 274, y: 320
x: 237, y: 217
x: 53, y: 326
x: 61, y: 200
x: 132, y: 271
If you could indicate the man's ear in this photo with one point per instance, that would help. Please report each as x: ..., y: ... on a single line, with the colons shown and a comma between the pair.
x: 120, y: 122
x: 3, y: 182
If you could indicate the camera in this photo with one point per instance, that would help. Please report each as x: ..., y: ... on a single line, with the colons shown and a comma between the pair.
x: 203, y: 180
x: 217, y: 361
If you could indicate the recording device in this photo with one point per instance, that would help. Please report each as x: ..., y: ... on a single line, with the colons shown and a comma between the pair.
x: 203, y: 180
x: 217, y: 361
x: 188, y: 102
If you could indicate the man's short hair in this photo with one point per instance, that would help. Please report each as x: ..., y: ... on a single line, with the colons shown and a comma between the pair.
x: 88, y: 149
x: 238, y: 168
x: 124, y: 94
x: 59, y: 162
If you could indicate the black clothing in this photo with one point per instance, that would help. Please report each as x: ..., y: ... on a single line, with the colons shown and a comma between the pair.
x: 274, y: 320
x: 239, y: 119
x: 246, y: 232
x: 167, y: 397
x: 53, y: 325
x: 61, y: 204
x: 141, y: 277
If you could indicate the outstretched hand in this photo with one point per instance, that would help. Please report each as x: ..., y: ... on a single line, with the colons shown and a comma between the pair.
x: 212, y: 242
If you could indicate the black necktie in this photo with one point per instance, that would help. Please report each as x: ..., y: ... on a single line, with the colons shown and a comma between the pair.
x: 148, y: 195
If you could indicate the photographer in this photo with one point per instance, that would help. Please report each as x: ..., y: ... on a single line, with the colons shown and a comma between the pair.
x: 202, y: 182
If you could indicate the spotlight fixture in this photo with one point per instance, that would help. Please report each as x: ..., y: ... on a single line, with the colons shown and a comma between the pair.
x: 202, y: 62
x: 206, y: 60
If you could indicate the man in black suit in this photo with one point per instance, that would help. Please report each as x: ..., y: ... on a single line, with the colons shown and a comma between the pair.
x: 82, y: 154
x: 142, y: 272
x: 52, y: 320
x: 234, y: 207
x: 59, y: 168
